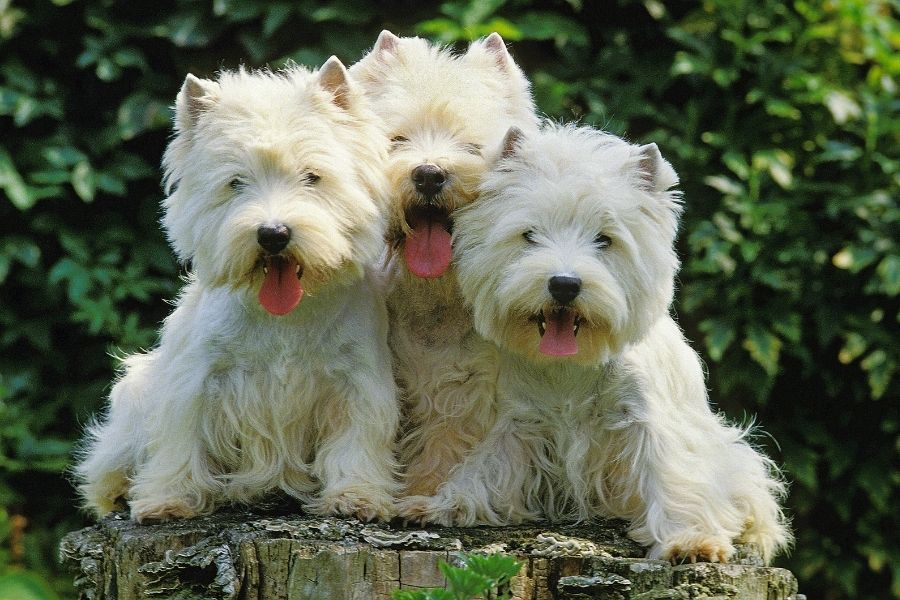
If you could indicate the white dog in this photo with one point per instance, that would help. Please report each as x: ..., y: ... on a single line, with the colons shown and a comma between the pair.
x: 567, y: 262
x: 273, y: 371
x: 446, y: 114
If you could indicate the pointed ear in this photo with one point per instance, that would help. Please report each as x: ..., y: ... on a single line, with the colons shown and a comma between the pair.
x: 386, y: 42
x: 511, y: 141
x: 496, y: 46
x: 656, y: 172
x: 333, y: 78
x: 193, y: 99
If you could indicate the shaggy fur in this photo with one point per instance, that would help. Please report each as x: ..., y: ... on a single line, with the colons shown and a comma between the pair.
x: 237, y: 401
x: 447, y: 112
x: 601, y: 404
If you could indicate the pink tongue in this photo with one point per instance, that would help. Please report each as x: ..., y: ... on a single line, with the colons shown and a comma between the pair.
x: 559, y: 334
x: 428, y: 249
x: 281, y: 291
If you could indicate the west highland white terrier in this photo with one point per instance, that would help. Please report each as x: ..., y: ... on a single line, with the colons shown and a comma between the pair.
x: 273, y: 371
x: 446, y: 114
x: 567, y: 262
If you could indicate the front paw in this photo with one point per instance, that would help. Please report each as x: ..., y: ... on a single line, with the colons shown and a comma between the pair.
x: 422, y: 510
x: 449, y: 510
x: 161, y: 510
x: 696, y: 547
x: 363, y: 504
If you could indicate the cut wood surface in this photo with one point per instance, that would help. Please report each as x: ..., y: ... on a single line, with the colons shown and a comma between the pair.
x: 269, y: 553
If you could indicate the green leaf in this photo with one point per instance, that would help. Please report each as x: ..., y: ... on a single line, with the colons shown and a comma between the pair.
x: 803, y: 466
x: 724, y: 185
x: 25, y: 586
x: 110, y: 184
x: 496, y: 567
x: 139, y: 113
x: 888, y: 271
x: 276, y: 16
x: 408, y: 595
x: 880, y: 369
x: 854, y: 258
x: 468, y: 14
x: 341, y: 11
x: 464, y: 583
x: 789, y: 325
x: 13, y: 184
x: 854, y: 347
x: 539, y: 25
x: 877, y: 486
x: 764, y: 348
x: 737, y: 164
x: 780, y: 108
x: 443, y: 30
x: 63, y: 157
x: 190, y: 30
x: 719, y: 336
x: 83, y: 181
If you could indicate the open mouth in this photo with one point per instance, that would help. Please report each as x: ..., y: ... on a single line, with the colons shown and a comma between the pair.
x: 558, y: 328
x: 282, y: 289
x: 428, y: 248
x: 280, y: 263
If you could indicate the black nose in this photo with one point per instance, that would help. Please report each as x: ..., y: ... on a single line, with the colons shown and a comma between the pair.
x: 429, y: 179
x: 564, y: 288
x: 273, y: 238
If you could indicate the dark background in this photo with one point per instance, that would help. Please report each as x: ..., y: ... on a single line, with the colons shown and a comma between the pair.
x: 780, y: 117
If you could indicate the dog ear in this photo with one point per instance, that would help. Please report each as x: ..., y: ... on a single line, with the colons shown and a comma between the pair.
x: 386, y: 42
x: 511, y: 142
x: 333, y: 78
x: 195, y: 97
x: 656, y: 172
x: 496, y: 46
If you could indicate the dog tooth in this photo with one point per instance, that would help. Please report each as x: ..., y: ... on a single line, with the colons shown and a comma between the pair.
x: 265, y: 270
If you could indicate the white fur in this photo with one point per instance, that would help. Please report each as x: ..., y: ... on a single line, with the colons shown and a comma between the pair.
x: 450, y: 110
x: 622, y: 428
x: 236, y: 402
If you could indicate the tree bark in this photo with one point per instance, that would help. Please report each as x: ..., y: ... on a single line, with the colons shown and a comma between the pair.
x: 267, y: 553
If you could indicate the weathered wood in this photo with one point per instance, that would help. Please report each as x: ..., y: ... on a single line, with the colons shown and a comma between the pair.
x: 267, y: 554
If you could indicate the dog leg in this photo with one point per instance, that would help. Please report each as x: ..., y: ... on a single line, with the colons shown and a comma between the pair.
x: 355, y: 460
x: 702, y: 483
x: 176, y: 480
x: 488, y: 487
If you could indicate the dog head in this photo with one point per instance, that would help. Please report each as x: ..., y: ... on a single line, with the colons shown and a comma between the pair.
x: 275, y: 181
x: 444, y: 113
x: 568, y: 252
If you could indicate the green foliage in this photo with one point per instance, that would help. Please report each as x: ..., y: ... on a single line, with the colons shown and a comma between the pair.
x: 781, y: 118
x: 479, y: 576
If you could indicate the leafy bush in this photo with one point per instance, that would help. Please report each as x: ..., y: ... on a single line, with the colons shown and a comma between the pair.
x: 477, y: 577
x: 781, y: 118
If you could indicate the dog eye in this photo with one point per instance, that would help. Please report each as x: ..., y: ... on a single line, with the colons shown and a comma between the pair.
x: 528, y: 236
x: 473, y: 149
x: 602, y: 241
x: 311, y: 178
x: 399, y: 139
x: 236, y: 183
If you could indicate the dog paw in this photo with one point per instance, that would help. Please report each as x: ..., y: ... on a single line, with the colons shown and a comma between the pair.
x: 161, y: 511
x: 422, y: 510
x: 107, y: 495
x: 355, y: 503
x: 703, y: 548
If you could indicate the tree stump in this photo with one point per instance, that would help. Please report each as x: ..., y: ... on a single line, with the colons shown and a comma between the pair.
x: 266, y: 553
